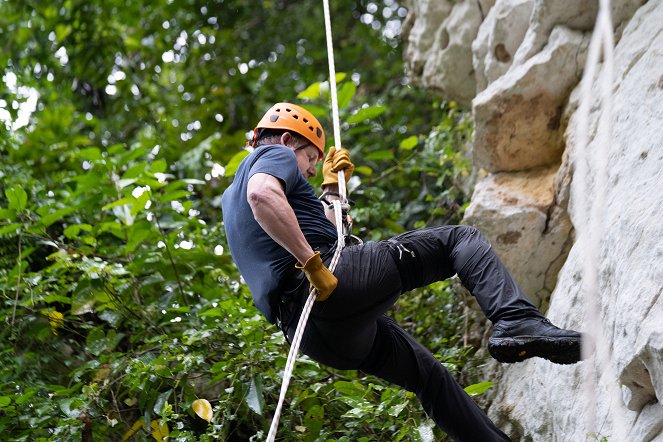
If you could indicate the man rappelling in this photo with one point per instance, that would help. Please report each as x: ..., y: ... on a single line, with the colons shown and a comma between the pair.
x: 282, y: 237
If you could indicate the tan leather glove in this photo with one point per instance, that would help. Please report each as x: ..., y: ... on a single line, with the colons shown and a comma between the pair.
x: 336, y: 159
x: 319, y: 276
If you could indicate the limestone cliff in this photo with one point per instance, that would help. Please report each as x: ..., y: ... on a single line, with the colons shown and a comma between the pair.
x: 518, y: 65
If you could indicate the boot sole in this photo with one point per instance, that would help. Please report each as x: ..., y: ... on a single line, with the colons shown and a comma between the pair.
x: 517, y: 349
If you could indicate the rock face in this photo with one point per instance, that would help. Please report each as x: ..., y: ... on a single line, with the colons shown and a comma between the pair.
x: 527, y: 59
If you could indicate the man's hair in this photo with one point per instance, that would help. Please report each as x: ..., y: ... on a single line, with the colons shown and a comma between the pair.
x: 273, y: 136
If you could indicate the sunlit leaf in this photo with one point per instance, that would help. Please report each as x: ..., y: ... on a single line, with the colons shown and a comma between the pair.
x: 158, y: 166
x: 345, y: 94
x: 409, y: 143
x: 90, y: 154
x: 311, y: 92
x: 135, y: 428
x: 160, y: 431
x: 366, y: 113
x: 477, y: 389
x: 139, y: 205
x: 56, y: 319
x: 233, y: 164
x: 121, y: 184
x: 121, y: 202
x: 203, y: 409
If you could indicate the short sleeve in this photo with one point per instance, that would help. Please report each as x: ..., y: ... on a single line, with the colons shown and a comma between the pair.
x: 281, y: 163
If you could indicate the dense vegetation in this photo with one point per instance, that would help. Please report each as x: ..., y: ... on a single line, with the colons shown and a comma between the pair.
x: 124, y: 122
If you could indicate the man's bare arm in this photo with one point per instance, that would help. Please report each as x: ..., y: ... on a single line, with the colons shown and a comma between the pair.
x: 271, y: 210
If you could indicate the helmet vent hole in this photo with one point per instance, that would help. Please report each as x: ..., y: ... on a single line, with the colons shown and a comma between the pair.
x: 311, y: 128
x: 295, y: 117
x: 305, y: 120
x: 273, y: 118
x: 319, y: 132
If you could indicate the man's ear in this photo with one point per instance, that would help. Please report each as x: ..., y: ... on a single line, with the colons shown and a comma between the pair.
x: 286, y: 137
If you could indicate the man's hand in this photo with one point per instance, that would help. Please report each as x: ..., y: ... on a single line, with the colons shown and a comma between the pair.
x: 319, y: 276
x: 337, y: 159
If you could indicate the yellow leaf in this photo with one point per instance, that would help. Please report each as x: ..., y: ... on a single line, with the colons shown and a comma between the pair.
x: 160, y: 430
x: 203, y: 409
x: 133, y: 430
x: 56, y: 319
x: 102, y: 373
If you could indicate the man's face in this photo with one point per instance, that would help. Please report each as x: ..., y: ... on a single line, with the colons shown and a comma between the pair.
x: 307, y: 158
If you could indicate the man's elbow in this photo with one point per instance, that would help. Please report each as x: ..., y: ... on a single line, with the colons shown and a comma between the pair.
x: 258, y: 198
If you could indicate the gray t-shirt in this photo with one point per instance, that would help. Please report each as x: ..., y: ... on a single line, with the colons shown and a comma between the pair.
x: 261, y: 260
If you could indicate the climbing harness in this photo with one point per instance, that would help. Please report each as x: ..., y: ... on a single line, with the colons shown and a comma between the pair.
x: 340, y: 205
x: 590, y: 236
x: 350, y: 239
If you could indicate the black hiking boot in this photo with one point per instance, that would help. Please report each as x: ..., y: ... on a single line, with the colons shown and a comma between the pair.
x: 520, y: 339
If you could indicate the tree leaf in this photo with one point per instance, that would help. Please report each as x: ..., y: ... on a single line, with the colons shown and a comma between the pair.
x: 158, y: 166
x: 56, y: 319
x: 365, y: 170
x: 161, y: 401
x: 345, y: 94
x: 160, y: 431
x: 254, y: 397
x: 203, y: 409
x: 317, y: 111
x: 409, y: 143
x: 49, y: 219
x: 233, y: 164
x: 311, y: 92
x: 10, y: 228
x: 384, y: 154
x: 366, y: 113
x: 350, y: 389
x: 7, y: 214
x: 90, y: 154
x: 17, y: 198
x: 140, y: 423
x: 121, y: 202
x: 477, y: 389
x: 174, y: 195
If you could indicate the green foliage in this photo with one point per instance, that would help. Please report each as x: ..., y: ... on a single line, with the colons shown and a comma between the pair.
x: 121, y: 305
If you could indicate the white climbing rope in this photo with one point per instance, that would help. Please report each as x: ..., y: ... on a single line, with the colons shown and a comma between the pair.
x: 338, y: 215
x: 590, y: 238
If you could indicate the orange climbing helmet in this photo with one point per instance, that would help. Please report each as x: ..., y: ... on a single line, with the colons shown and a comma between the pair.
x: 289, y: 116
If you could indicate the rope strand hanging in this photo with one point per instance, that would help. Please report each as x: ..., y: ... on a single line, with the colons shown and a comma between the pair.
x: 338, y: 215
x: 601, y: 43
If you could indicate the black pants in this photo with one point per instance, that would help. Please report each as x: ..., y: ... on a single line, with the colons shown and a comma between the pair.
x: 351, y: 331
